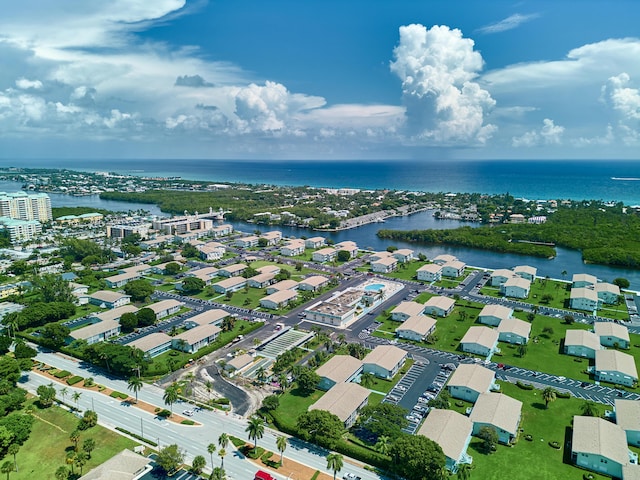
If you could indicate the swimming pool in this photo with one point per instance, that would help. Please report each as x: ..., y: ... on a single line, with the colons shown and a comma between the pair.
x: 374, y: 287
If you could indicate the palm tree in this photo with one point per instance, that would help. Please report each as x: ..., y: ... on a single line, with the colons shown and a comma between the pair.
x: 281, y: 443
x: 261, y: 375
x: 103, y: 355
x: 221, y: 453
x: 209, y: 386
x: 11, y: 322
x: 548, y: 395
x: 7, y: 468
x: 80, y: 460
x: 590, y: 409
x: 255, y: 429
x: 464, y: 471
x: 382, y: 446
x: 171, y: 395
x: 62, y: 473
x: 88, y: 446
x: 13, y: 450
x: 366, y: 379
x: 75, y: 437
x: 218, y: 474
x: 135, y: 385
x: 341, y: 338
x: 76, y: 396
x: 223, y: 440
x: 211, y: 449
x: 335, y: 463
x: 191, y: 378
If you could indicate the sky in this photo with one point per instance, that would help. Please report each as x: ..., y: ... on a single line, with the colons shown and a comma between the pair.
x: 320, y: 79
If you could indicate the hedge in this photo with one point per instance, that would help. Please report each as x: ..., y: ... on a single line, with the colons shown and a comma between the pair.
x: 136, y: 436
x: 524, y: 386
x: 237, y: 442
x: 75, y: 379
x: 188, y: 422
x: 62, y: 374
x: 563, y: 394
x: 115, y: 394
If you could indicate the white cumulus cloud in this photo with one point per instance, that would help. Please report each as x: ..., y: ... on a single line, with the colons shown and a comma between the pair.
x: 444, y: 105
x: 621, y: 97
x: 25, y: 84
x: 549, y: 134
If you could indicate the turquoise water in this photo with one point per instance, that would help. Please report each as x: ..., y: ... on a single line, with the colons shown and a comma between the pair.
x: 374, y: 287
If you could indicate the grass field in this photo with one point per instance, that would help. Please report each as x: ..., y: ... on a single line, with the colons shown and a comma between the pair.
x: 45, y: 450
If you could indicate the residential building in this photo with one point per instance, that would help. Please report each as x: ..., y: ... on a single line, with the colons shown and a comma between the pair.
x: 608, y: 293
x: 453, y: 269
x: 516, y: 287
x: 272, y: 237
x: 108, y: 299
x: 431, y: 272
x: 293, y: 248
x: 444, y: 258
x: 404, y: 310
x: 439, y: 306
x: 126, y: 230
x: 186, y: 224
x: 627, y: 414
x: 221, y: 230
x: 526, y: 271
x: 493, y: 314
x: 153, y: 344
x: 97, y: 332
x: 262, y: 280
x: 416, y: 328
x: 514, y: 331
x: 468, y: 381
x: 314, y: 242
x: 211, y: 251
x: 269, y: 269
x: 384, y: 361
x: 351, y: 247
x: 345, y: 400
x: 194, y: 339
x: 331, y: 313
x: 164, y: 308
x: 233, y: 270
x: 384, y: 265
x: 229, y: 284
x: 404, y: 255
x: 481, y: 341
x: 324, y: 255
x: 612, y: 334
x: 20, y: 230
x: 338, y: 369
x: 583, y: 298
x: 374, y: 257
x: 497, y: 411
x: 119, y: 281
x: 313, y: 283
x: 615, y: 367
x: 500, y: 276
x: 23, y: 206
x: 452, y: 431
x: 278, y: 299
x: 247, y: 242
x: 126, y: 465
x: 214, y: 316
x: 282, y: 285
x: 581, y: 343
x: 599, y: 445
x: 583, y: 280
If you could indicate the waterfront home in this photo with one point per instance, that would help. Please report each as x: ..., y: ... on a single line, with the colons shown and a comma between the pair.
x: 384, y: 361
x: 293, y: 248
x: 232, y: 270
x: 338, y: 369
x: 221, y: 230
x: 403, y: 255
x: 108, y: 299
x: 498, y: 411
x: 313, y: 283
x: 583, y: 280
x: 439, y: 306
x: 526, y: 271
x: 247, y: 242
x: 196, y: 338
x: 500, y: 276
x: 262, y: 280
x: 416, y: 328
x: 118, y: 281
x: 314, y: 242
x: 514, y: 331
x: 481, y: 341
x: 278, y: 299
x: 344, y: 400
x: 324, y: 255
x: 431, y: 272
x: 282, y: 285
x: 608, y: 293
x: 453, y: 269
x: 164, y: 308
x: 583, y: 298
x: 452, y: 431
x: 229, y: 285
x: 351, y: 247
x: 615, y: 367
x: 444, y: 258
x: 627, y: 415
x: 384, y: 265
x: 213, y: 316
x: 211, y: 251
x: 374, y: 257
x: 581, y: 343
x: 516, y: 287
x: 272, y: 237
x: 405, y: 310
x: 599, y: 445
x: 493, y: 314
x: 153, y: 344
x: 612, y: 334
x: 468, y: 381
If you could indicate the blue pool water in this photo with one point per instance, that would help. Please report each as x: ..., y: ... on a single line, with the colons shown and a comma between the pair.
x: 374, y: 287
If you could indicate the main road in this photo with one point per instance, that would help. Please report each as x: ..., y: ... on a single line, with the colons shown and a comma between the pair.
x: 192, y: 439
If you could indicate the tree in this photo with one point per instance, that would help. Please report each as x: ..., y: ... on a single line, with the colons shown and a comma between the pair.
x: 549, y: 396
x: 307, y: 380
x: 590, y: 409
x: 171, y: 395
x: 222, y: 453
x: 192, y: 285
x: 89, y: 419
x: 223, y: 440
x: 52, y: 288
x: 88, y: 446
x: 62, y: 473
x: 13, y: 450
x: 54, y: 335
x: 135, y: 385
x: 335, y: 463
x: 75, y: 438
x: 170, y: 458
x: 464, y: 471
x: 261, y: 374
x: 384, y: 419
x: 415, y: 457
x: 22, y: 350
x: 211, y: 449
x: 489, y: 437
x: 382, y: 445
x: 139, y: 290
x: 281, y: 443
x: 128, y: 322
x: 146, y: 317
x: 46, y: 394
x: 271, y: 402
x: 568, y: 319
x: 172, y: 268
x: 218, y: 474
x: 76, y: 396
x: 522, y: 350
x: 343, y: 256
x: 80, y: 460
x: 7, y: 467
x: 63, y: 392
x: 621, y: 282
x: 198, y: 464
x: 255, y: 429
x: 321, y: 427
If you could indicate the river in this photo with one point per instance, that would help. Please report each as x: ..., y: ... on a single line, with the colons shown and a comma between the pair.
x: 566, y: 260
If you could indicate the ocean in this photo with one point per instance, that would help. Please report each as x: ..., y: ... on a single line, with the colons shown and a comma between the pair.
x: 610, y: 180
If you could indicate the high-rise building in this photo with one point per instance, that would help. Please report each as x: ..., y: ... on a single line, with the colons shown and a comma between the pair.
x: 24, y: 206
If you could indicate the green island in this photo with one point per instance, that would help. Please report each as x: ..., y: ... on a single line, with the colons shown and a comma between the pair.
x: 604, y: 233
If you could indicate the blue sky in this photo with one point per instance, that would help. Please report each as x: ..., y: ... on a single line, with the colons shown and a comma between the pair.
x: 327, y: 79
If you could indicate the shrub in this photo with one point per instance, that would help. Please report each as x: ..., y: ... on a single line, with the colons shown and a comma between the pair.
x: 237, y: 442
x: 164, y: 413
x: 524, y: 386
x: 251, y: 452
x: 221, y: 401
x: 563, y: 394
x: 62, y: 374
x: 316, y: 475
x: 188, y: 422
x: 120, y: 395
x: 136, y: 436
x: 266, y: 456
x: 555, y: 445
x: 75, y: 379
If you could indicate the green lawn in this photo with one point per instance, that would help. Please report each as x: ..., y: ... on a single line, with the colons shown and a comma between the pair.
x: 293, y: 403
x: 46, y: 448
x: 532, y: 459
x: 406, y: 271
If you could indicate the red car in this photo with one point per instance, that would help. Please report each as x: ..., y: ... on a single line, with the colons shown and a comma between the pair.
x: 260, y: 475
